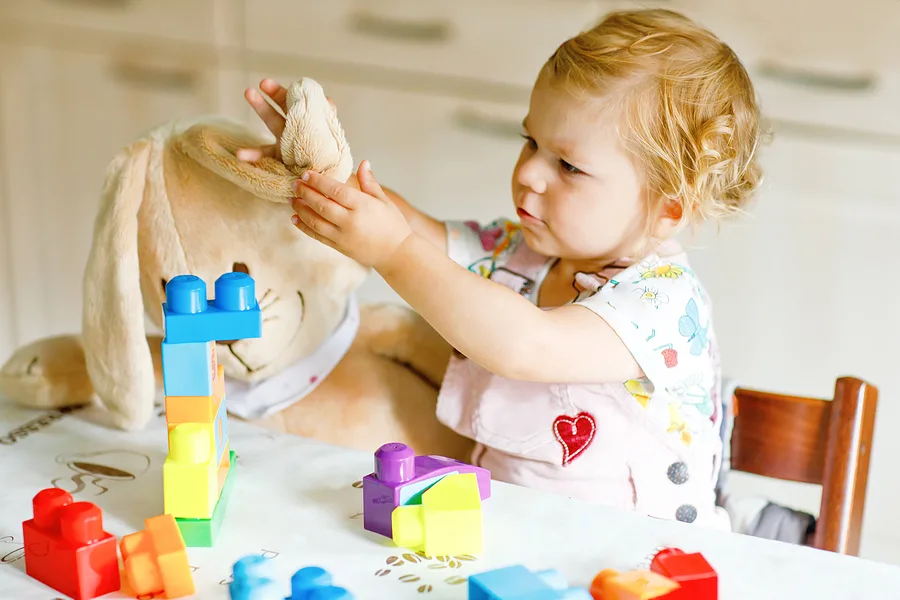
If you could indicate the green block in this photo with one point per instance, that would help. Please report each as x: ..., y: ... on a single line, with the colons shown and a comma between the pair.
x: 202, y: 533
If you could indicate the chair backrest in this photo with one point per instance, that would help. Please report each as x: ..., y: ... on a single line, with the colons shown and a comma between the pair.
x: 812, y: 441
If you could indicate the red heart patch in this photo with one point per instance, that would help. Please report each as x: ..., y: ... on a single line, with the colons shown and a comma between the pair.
x: 575, y: 434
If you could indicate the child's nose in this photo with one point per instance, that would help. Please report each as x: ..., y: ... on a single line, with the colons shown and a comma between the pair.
x: 529, y: 176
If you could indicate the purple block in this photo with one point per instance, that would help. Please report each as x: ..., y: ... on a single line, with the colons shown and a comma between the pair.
x: 396, y: 467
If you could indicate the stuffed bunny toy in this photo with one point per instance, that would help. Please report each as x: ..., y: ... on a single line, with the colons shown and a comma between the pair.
x: 179, y: 201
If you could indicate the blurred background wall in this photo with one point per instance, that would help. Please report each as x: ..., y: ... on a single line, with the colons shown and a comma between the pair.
x: 433, y: 92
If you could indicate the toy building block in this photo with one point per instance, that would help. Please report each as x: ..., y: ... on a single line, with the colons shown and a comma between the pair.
x: 156, y: 560
x: 315, y: 583
x: 196, y: 409
x: 698, y: 580
x: 519, y: 583
x: 202, y: 533
x: 216, y: 425
x: 638, y: 584
x: 66, y: 547
x: 447, y: 522
x: 253, y: 578
x: 190, y: 473
x: 233, y: 314
x: 189, y: 369
x: 400, y: 478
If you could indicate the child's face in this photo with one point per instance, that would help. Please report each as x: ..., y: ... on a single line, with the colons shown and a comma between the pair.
x: 576, y: 192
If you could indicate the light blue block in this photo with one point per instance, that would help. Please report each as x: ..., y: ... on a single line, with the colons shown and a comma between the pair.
x: 188, y: 369
x: 254, y: 578
x: 315, y: 583
x: 519, y: 583
x: 233, y: 314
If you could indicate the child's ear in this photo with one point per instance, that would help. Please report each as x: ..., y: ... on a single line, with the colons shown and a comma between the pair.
x: 672, y: 209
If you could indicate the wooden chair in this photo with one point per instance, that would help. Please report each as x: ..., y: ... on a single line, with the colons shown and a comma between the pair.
x: 813, y: 441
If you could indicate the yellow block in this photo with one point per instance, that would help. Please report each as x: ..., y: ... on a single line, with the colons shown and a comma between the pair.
x: 190, y: 473
x: 639, y: 584
x: 449, y: 520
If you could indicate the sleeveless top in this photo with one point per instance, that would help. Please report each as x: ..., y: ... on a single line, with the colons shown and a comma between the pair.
x: 649, y: 444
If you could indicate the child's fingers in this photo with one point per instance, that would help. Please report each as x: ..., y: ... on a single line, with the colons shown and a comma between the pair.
x: 341, y: 193
x: 310, y: 224
x: 368, y: 183
x: 255, y: 154
x: 276, y: 92
x: 322, y: 205
x: 274, y: 121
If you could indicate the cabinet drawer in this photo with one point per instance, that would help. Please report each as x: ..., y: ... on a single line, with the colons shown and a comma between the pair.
x: 499, y: 40
x: 186, y: 20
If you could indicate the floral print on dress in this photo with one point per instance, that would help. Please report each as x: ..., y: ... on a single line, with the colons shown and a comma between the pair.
x: 497, y: 238
x: 659, y: 310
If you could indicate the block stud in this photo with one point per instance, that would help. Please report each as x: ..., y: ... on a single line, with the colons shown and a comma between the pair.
x: 235, y: 291
x: 395, y: 463
x: 46, y: 503
x: 186, y: 294
x: 81, y: 523
x: 189, y: 443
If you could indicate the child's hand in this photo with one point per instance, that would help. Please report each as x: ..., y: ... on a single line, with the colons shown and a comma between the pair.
x: 274, y: 121
x: 363, y: 223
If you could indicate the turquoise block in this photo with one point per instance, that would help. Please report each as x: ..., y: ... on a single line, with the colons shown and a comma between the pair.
x: 189, y: 369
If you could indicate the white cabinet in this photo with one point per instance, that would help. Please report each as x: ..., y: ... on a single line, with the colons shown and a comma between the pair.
x: 65, y: 114
x: 803, y: 292
x: 192, y: 22
x: 501, y: 41
x: 7, y: 311
x: 450, y: 157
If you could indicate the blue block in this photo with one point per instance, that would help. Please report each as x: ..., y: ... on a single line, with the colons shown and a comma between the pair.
x: 233, y: 314
x: 519, y: 583
x: 253, y: 578
x: 314, y: 583
x: 189, y: 369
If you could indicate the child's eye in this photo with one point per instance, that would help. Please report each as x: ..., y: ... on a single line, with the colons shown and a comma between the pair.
x: 529, y: 140
x: 569, y: 168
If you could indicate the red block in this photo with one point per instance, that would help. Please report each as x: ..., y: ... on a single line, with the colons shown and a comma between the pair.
x: 697, y: 578
x: 67, y: 549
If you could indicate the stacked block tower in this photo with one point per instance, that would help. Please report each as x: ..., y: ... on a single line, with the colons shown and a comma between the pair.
x: 197, y: 475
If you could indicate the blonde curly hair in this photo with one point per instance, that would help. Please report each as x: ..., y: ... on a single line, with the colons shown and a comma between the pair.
x: 689, y: 110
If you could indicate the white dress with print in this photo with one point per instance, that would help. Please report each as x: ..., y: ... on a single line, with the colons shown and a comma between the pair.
x: 650, y: 445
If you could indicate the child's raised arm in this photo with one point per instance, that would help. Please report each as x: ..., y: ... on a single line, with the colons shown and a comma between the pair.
x: 428, y: 227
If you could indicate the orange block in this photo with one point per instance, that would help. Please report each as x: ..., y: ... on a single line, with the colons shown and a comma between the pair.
x: 156, y: 560
x: 639, y: 584
x: 196, y: 409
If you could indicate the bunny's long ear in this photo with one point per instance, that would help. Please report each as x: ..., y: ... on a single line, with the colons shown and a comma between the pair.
x: 118, y: 358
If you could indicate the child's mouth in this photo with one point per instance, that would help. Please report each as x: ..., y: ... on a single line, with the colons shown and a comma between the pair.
x: 525, y: 215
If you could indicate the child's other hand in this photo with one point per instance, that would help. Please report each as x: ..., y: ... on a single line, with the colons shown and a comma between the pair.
x: 363, y: 223
x: 273, y: 120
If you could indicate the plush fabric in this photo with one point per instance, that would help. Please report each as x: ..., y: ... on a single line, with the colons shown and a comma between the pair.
x: 176, y: 201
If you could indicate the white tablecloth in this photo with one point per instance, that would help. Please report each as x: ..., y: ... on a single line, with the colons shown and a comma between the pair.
x: 299, y: 503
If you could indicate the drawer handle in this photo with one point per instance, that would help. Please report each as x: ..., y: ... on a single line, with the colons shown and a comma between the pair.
x: 861, y: 82
x: 157, y: 78
x: 118, y: 4
x: 438, y: 30
x: 471, y: 120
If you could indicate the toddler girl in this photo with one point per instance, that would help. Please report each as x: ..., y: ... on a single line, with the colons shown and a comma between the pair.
x: 586, y: 361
